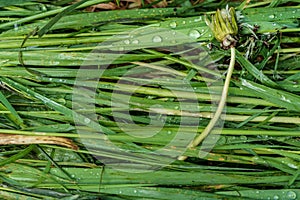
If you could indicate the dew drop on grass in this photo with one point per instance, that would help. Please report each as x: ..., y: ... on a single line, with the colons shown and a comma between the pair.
x: 194, y: 34
x: 16, y: 27
x: 243, y: 138
x: 274, y: 24
x: 87, y: 120
x: 173, y: 24
x: 169, y: 132
x: 121, y: 48
x: 198, y: 19
x: 271, y: 16
x: 135, y: 42
x: 291, y: 165
x: 54, y: 126
x: 156, y: 39
x: 276, y: 197
x: 291, y: 195
x: 134, y: 191
x: 126, y: 42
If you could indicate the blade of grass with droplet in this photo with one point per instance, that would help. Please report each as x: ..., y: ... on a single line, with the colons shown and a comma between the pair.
x: 264, y: 193
x: 276, y: 96
x: 45, y: 14
x: 271, y: 14
x: 54, y: 105
x: 67, y: 10
x: 38, y: 58
x: 161, y: 193
x: 81, y: 20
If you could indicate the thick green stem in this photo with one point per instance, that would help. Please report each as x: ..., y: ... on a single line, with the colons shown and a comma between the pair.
x: 220, y: 108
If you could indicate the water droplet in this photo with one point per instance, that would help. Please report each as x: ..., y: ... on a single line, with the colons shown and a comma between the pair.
x: 209, y: 35
x: 291, y: 195
x: 120, y: 192
x: 294, y: 11
x: 87, y: 120
x: 202, y: 30
x: 16, y: 27
x: 176, y: 107
x: 126, y: 42
x: 169, y: 132
x: 291, y: 165
x: 135, y: 41
x: 183, y: 22
x: 194, y: 34
x: 173, y: 24
x: 198, y: 19
x: 134, y: 191
x: 272, y: 16
x: 121, y: 48
x: 276, y: 197
x: 156, y: 39
x: 285, y: 99
x: 243, y: 137
x: 274, y: 24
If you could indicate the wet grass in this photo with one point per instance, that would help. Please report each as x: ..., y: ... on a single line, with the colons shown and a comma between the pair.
x: 163, y: 76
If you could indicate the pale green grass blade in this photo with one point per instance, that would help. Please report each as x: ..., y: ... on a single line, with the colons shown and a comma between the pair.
x: 56, y: 106
x: 15, y: 157
x: 278, y: 97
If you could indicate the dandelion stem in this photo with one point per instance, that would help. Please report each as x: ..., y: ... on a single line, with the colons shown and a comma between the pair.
x: 220, y: 108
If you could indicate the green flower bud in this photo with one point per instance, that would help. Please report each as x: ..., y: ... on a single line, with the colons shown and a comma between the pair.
x: 224, y: 26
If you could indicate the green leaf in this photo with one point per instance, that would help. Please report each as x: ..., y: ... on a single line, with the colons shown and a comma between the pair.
x: 259, y: 75
x: 14, y: 116
x: 69, y: 9
x: 280, y: 98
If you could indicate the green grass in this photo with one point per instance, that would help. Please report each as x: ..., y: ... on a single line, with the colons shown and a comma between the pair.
x: 256, y: 155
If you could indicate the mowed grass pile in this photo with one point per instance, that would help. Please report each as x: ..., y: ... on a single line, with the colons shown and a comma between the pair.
x: 44, y: 45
